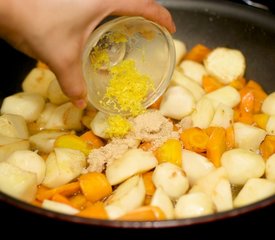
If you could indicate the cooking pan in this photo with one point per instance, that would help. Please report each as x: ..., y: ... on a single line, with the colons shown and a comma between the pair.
x: 212, y: 23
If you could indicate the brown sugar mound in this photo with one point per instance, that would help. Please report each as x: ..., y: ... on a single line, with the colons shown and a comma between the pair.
x: 150, y: 126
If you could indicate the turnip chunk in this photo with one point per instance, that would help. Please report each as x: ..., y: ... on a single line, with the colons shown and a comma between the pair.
x: 132, y: 162
x: 203, y: 113
x: 225, y: 64
x: 193, y: 205
x: 193, y: 70
x: 195, y: 166
x: 270, y: 126
x: 268, y: 106
x: 254, y: 190
x: 171, y: 179
x: 180, y: 48
x: 29, y: 161
x: 227, y: 95
x: 179, y: 79
x: 27, y: 105
x: 17, y: 183
x: 38, y: 81
x: 59, y: 207
x: 62, y: 166
x: 177, y: 102
x: 127, y: 196
x: 247, y: 136
x: 241, y: 165
x: 14, y: 126
x: 161, y: 200
x: 270, y: 168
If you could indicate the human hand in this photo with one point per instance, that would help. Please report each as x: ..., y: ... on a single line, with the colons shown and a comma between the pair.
x: 55, y: 32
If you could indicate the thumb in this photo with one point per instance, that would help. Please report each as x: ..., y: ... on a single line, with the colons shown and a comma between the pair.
x: 70, y: 78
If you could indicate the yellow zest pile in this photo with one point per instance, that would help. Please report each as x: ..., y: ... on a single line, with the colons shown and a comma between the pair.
x: 127, y: 89
x: 99, y: 58
x: 117, y: 126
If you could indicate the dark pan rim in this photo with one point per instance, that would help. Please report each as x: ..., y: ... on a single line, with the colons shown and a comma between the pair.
x: 138, y: 224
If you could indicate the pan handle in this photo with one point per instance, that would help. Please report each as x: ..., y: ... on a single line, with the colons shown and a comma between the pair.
x: 262, y: 4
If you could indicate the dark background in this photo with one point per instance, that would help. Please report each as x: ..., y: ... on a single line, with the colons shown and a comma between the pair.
x: 16, y: 222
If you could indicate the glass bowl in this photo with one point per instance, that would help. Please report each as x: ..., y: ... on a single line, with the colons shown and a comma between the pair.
x: 146, y: 44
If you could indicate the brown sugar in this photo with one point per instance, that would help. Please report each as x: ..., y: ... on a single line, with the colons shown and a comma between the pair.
x: 150, y: 126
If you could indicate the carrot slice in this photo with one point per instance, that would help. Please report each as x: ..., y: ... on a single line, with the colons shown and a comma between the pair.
x: 229, y: 138
x: 216, y: 146
x: 73, y: 142
x: 194, y: 139
x: 148, y: 183
x: 238, y: 83
x: 170, y: 151
x: 156, y: 104
x: 247, y: 108
x: 78, y: 201
x: 261, y: 120
x: 210, y: 83
x: 145, y: 213
x: 57, y: 197
x: 267, y: 147
x: 97, y: 210
x: 198, y: 53
x: 92, y: 140
x: 95, y: 186
x: 65, y: 190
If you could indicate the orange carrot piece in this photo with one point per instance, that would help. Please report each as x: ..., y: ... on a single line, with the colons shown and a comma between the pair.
x: 254, y: 85
x: 148, y: 183
x: 247, y: 101
x: 92, y: 140
x: 69, y: 189
x: 198, y: 53
x: 97, y: 210
x: 267, y: 147
x: 156, y: 104
x: 210, y: 83
x: 36, y: 203
x: 57, y: 197
x: 261, y: 120
x: 147, y: 200
x: 238, y: 83
x: 146, y: 146
x: 194, y: 139
x: 95, y: 186
x: 73, y: 142
x: 258, y: 92
x: 78, y: 201
x: 170, y: 151
x: 216, y: 146
x: 144, y: 213
x: 246, y: 108
x: 229, y: 138
x: 209, y: 130
x: 65, y: 190
x: 40, y: 64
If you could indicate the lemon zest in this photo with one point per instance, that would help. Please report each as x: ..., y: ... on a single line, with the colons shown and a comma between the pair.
x: 99, y: 57
x: 118, y: 126
x: 127, y: 88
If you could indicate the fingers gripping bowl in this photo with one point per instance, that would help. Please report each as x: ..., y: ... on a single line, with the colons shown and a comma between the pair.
x: 191, y: 37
